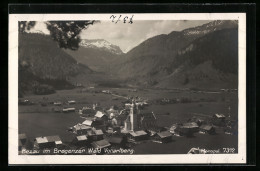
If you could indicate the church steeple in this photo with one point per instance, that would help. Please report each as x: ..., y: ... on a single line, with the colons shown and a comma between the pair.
x: 133, y: 116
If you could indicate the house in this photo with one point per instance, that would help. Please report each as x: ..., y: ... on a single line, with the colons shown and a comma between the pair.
x: 56, y: 139
x: 99, y: 135
x: 219, y: 116
x: 81, y: 129
x: 117, y: 141
x: 187, y: 128
x: 106, y: 91
x: 197, y: 120
x: 163, y: 137
x: 42, y: 143
x: 207, y: 129
x: 147, y: 121
x: 81, y: 140
x: 100, y: 114
x: 48, y: 142
x: 218, y: 119
x: 101, y: 145
x: 101, y: 127
x: 90, y: 135
x: 138, y: 135
x: 57, y: 103
x: 67, y: 110
x: 71, y: 102
x: 101, y: 118
x: 88, y: 123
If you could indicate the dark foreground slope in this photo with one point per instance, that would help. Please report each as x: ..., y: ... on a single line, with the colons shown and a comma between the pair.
x: 41, y: 61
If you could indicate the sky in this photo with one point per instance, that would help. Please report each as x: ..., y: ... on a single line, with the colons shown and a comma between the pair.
x: 126, y: 35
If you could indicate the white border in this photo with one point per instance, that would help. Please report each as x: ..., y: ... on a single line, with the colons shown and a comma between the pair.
x: 14, y: 158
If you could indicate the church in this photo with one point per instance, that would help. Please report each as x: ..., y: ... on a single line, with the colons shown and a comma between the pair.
x: 136, y: 120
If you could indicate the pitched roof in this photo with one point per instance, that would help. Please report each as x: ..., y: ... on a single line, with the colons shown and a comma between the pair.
x: 85, y: 127
x: 81, y: 127
x: 99, y: 114
x: 138, y: 133
x: 53, y: 138
x: 164, y: 134
x: 87, y: 122
x: 41, y: 140
x: 101, y: 144
x: 71, y: 101
x: 115, y: 140
x: 58, y: 142
x: 190, y: 125
x: 220, y: 115
x: 206, y: 127
x: 82, y: 138
x: 98, y: 132
x: 22, y: 136
x: 68, y: 109
x: 90, y: 133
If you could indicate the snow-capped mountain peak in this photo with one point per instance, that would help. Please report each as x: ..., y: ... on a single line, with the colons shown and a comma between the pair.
x: 210, y: 27
x: 101, y: 44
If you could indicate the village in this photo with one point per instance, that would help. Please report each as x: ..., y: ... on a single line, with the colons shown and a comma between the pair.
x: 120, y: 128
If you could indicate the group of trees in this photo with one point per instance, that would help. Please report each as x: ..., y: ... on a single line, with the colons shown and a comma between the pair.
x: 66, y: 33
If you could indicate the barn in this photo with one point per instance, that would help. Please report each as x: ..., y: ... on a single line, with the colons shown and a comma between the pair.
x: 48, y: 142
x: 101, y: 118
x: 187, y: 129
x: 138, y: 135
x: 99, y: 135
x: 207, y: 129
x: 81, y: 140
x: 81, y: 129
x: 163, y: 137
x: 101, y: 145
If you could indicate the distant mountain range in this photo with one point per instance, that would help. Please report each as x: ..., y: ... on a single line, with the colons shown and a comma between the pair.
x: 201, y: 57
x: 101, y: 44
x: 98, y: 54
x: 168, y: 60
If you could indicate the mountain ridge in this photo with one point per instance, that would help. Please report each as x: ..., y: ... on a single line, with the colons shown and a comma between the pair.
x: 101, y: 44
x: 157, y: 52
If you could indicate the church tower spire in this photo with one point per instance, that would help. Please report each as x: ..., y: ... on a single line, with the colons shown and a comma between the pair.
x: 133, y: 116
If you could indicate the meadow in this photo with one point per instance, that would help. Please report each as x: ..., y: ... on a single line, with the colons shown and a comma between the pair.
x: 38, y: 120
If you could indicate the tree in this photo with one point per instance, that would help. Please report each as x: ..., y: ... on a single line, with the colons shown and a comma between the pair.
x: 26, y: 25
x: 66, y: 33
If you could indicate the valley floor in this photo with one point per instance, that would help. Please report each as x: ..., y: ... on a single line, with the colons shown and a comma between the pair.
x: 37, y: 120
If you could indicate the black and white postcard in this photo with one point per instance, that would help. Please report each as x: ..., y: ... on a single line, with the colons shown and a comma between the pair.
x: 127, y: 88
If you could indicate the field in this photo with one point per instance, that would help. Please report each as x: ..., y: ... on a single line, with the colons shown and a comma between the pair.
x: 37, y: 120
